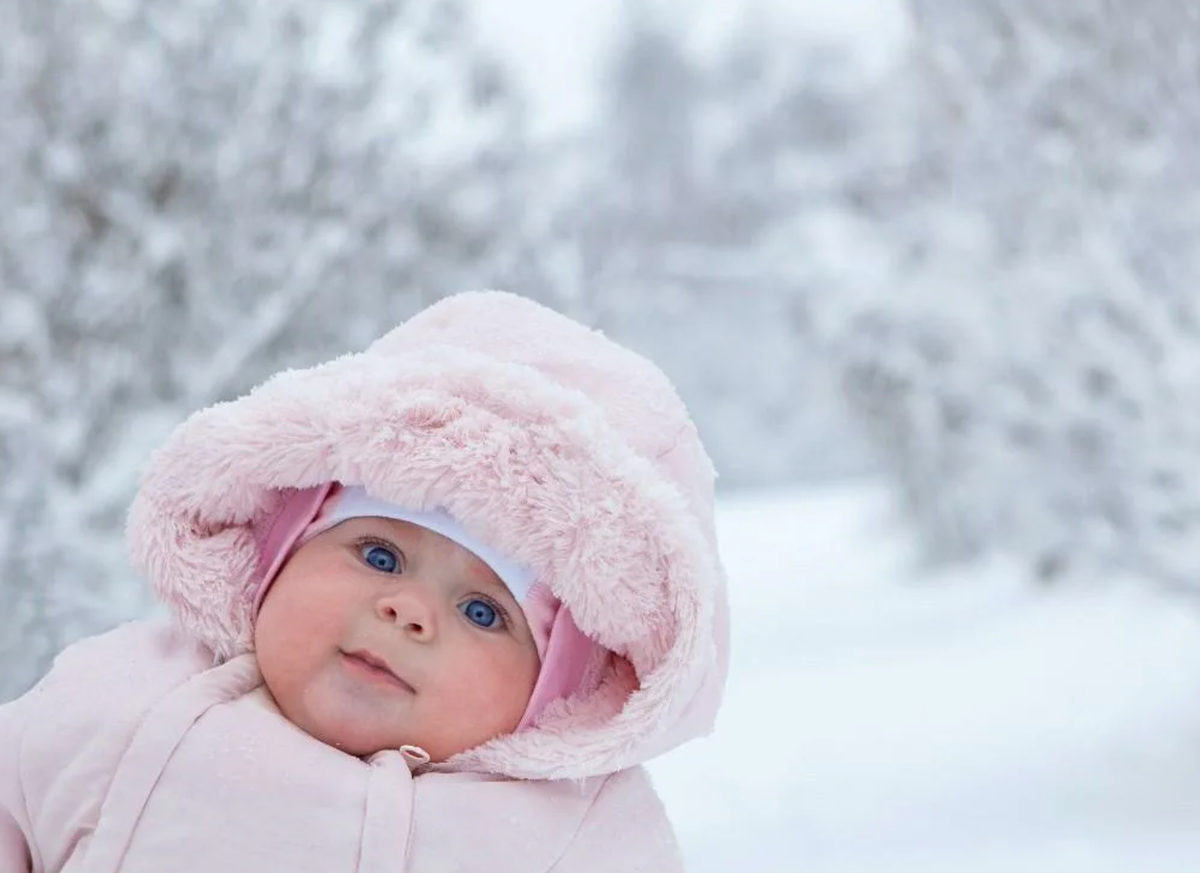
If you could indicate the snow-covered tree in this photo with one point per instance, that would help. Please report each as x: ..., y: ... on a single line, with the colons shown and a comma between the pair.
x: 1027, y: 371
x: 699, y: 157
x: 192, y: 195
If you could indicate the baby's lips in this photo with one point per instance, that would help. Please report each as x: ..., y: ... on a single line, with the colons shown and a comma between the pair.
x: 380, y: 665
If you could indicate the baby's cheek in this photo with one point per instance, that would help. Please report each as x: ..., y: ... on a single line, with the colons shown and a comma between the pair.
x: 292, y: 639
x: 305, y: 617
x: 504, y: 685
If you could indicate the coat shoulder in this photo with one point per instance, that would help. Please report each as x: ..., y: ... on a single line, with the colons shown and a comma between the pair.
x: 67, y: 734
x: 137, y: 661
x: 625, y: 831
x: 98, y: 690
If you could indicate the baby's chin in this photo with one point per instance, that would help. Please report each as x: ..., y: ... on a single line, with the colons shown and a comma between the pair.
x: 362, y: 723
x: 363, y: 740
x: 358, y: 732
x: 355, y: 727
x: 365, y: 744
x: 358, y: 746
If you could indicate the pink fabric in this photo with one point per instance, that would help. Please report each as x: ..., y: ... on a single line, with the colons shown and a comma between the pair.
x: 138, y: 755
x: 277, y: 534
x: 566, y: 452
x: 567, y: 655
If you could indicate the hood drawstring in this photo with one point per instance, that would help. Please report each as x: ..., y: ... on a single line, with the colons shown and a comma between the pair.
x: 415, y: 757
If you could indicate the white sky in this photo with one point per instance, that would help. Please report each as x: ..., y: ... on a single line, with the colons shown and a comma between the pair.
x: 554, y: 45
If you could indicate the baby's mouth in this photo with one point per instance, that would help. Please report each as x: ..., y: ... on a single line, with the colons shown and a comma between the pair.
x: 368, y: 664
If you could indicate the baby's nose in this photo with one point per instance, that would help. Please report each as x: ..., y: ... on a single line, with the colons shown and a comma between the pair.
x: 410, y: 608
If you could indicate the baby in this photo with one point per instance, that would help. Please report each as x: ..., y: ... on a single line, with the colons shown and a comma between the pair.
x: 432, y: 605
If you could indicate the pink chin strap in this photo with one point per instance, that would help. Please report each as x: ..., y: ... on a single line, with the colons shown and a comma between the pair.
x: 566, y: 652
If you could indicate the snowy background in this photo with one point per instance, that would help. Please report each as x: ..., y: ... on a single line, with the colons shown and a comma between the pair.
x: 883, y: 719
x: 924, y: 272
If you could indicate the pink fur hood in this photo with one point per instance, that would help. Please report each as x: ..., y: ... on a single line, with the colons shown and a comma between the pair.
x: 565, y: 451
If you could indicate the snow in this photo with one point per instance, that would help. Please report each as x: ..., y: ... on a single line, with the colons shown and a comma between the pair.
x: 884, y: 719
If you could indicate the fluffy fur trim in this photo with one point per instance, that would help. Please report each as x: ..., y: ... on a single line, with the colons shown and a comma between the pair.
x: 565, y: 451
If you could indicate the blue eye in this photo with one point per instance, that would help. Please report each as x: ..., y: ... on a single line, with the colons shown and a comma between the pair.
x: 381, y: 558
x: 482, y: 613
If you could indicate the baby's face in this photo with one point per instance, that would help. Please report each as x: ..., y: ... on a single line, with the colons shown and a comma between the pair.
x: 379, y: 633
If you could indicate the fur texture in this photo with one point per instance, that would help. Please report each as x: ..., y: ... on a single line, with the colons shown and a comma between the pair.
x: 565, y: 451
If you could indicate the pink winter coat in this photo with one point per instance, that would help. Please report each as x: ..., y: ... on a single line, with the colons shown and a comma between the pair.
x: 155, y: 747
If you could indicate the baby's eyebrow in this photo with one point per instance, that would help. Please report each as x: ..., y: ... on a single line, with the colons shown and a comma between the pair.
x: 394, y: 523
x: 496, y: 586
x: 494, y: 582
x: 401, y: 530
